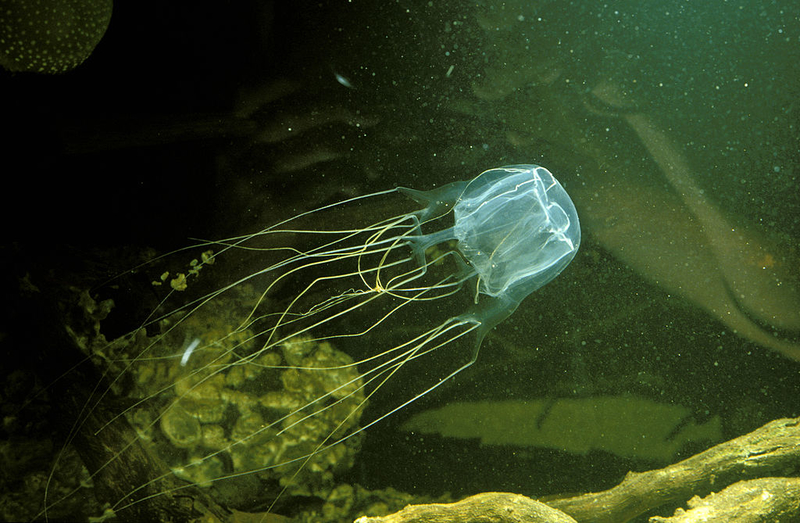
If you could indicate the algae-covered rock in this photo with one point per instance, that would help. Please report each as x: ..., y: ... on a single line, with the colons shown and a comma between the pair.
x: 224, y: 406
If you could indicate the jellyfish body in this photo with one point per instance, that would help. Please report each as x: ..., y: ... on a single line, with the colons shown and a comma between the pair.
x: 263, y: 389
x: 517, y: 228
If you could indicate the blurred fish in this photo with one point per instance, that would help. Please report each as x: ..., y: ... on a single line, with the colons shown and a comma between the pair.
x: 686, y: 244
x: 656, y: 235
x: 342, y: 79
x: 627, y: 426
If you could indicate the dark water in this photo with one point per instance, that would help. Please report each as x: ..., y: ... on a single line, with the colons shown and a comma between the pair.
x: 138, y: 148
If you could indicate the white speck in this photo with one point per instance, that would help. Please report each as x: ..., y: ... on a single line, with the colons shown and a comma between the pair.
x: 188, y: 352
x: 344, y: 80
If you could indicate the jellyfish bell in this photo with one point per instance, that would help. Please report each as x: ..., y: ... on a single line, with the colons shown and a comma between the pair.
x: 516, y: 228
x: 269, y: 376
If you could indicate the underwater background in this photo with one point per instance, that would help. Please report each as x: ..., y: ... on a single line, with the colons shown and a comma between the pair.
x: 199, y: 121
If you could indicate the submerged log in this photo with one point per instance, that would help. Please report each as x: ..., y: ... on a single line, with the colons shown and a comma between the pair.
x: 768, y: 451
x: 752, y: 501
x: 489, y: 507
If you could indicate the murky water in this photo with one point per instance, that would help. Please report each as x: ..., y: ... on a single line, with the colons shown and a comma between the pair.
x: 665, y: 123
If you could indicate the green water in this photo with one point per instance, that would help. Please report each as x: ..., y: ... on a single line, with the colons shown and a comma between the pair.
x: 446, y: 90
